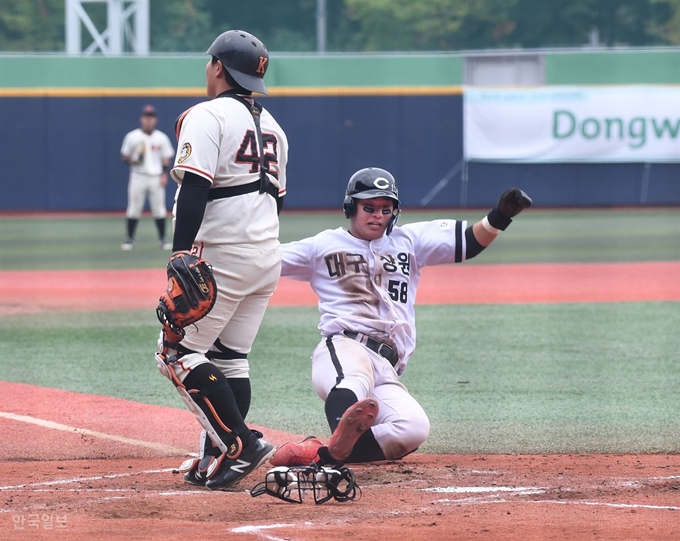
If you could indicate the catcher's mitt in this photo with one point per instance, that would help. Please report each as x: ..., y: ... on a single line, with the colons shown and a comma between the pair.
x: 190, y: 295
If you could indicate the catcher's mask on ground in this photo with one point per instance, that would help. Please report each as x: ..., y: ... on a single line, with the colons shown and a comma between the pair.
x: 324, y: 483
x: 244, y: 57
x: 369, y: 183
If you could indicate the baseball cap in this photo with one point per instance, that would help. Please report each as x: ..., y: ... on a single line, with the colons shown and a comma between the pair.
x: 149, y: 110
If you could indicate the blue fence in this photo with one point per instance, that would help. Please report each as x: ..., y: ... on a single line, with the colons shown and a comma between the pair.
x: 62, y: 154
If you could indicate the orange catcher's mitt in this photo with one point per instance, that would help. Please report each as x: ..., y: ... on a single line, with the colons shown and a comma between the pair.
x: 190, y: 295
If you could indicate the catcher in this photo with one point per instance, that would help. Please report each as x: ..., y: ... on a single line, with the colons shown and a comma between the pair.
x: 366, y: 279
x: 231, y: 171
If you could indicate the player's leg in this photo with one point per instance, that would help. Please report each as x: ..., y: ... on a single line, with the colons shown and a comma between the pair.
x: 235, y: 368
x: 400, y: 425
x: 253, y: 274
x: 225, y: 430
x: 343, y: 377
x: 136, y: 194
x: 207, y: 394
x: 400, y: 428
x: 195, y: 470
x: 199, y: 338
x: 159, y: 210
x: 244, y: 290
x: 349, y: 405
x: 340, y: 363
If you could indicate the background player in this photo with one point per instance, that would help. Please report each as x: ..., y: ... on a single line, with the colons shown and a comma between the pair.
x: 231, y: 168
x: 366, y: 280
x: 148, y: 151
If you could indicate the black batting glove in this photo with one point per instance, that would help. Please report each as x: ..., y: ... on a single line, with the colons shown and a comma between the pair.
x: 510, y: 204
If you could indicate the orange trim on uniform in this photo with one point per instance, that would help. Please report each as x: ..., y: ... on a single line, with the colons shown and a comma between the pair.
x: 200, y: 172
x: 212, y: 410
x: 180, y: 119
x: 282, y: 193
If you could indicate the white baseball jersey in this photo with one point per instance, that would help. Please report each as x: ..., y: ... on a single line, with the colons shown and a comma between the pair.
x: 370, y: 286
x: 218, y: 141
x: 149, y: 149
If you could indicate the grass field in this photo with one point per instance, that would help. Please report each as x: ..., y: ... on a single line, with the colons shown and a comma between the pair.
x: 540, y: 236
x: 534, y: 378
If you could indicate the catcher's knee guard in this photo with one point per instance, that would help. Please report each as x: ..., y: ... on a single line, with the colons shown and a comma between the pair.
x: 198, y: 402
x: 232, y: 368
x: 232, y: 363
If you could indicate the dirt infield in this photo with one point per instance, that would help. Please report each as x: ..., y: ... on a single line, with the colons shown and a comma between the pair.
x: 83, y: 467
x: 35, y: 291
x: 83, y: 474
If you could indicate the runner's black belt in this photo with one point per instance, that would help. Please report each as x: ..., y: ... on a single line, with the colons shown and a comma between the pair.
x: 381, y: 348
x: 233, y: 191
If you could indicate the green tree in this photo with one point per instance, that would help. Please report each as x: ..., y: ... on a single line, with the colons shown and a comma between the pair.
x: 668, y: 28
x: 433, y: 25
x: 488, y: 24
x: 180, y: 26
x: 367, y: 25
x: 282, y: 26
x: 32, y: 25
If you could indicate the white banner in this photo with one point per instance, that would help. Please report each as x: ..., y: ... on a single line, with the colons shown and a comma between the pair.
x: 573, y: 124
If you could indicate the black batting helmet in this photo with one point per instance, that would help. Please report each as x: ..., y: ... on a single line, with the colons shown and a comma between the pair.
x: 244, y: 57
x: 369, y: 183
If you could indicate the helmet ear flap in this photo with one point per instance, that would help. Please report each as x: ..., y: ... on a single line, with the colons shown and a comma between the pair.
x: 349, y: 207
x: 393, y: 220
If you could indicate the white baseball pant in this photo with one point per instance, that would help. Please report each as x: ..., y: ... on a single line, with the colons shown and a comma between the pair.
x: 402, y: 424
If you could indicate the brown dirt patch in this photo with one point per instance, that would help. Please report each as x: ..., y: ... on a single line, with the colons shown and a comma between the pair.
x: 94, y: 475
x: 35, y: 291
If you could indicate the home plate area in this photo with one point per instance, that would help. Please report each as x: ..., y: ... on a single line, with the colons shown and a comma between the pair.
x: 434, y: 497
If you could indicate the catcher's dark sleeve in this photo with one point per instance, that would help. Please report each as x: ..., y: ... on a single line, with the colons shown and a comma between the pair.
x: 191, y: 201
x: 279, y: 204
x: 472, y: 245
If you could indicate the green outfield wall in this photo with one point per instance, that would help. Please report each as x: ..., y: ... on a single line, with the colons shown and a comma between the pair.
x: 630, y: 67
x: 305, y: 74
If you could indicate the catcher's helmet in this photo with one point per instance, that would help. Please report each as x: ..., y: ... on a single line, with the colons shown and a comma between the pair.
x: 323, y: 482
x: 244, y: 57
x: 369, y: 183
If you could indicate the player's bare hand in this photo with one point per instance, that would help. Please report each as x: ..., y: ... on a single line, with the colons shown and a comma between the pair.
x: 512, y: 202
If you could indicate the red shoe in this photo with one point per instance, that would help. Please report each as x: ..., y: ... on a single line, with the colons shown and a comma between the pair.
x: 355, y: 421
x: 297, y: 454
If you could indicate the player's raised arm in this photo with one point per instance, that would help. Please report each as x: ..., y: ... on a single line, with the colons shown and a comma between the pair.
x: 484, y: 232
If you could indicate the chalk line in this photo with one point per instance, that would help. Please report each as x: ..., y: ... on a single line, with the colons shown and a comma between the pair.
x: 168, y: 449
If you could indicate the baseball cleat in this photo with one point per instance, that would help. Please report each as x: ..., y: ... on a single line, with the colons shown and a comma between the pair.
x: 231, y: 472
x: 302, y: 453
x: 354, y: 422
x: 129, y: 244
x: 165, y: 245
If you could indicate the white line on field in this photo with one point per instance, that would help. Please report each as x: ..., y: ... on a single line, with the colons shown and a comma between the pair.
x: 479, y: 501
x: 82, y: 479
x: 133, y: 491
x: 464, y: 490
x: 168, y: 449
x: 259, y: 531
x: 606, y: 504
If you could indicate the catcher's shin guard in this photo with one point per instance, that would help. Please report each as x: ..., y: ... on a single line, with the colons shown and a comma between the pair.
x: 198, y: 402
